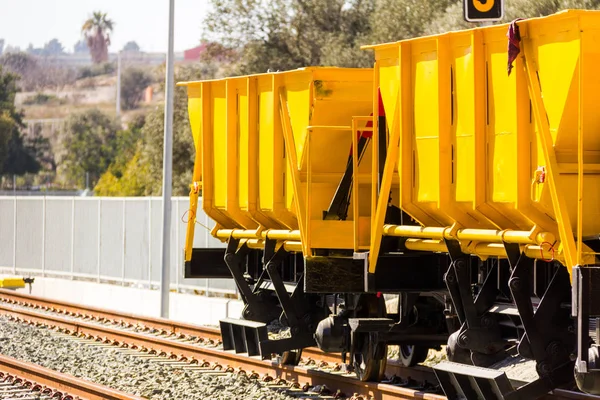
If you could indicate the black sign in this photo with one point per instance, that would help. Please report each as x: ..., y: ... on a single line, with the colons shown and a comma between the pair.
x: 483, y: 10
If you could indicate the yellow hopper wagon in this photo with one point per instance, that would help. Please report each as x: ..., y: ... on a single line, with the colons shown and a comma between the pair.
x: 446, y: 196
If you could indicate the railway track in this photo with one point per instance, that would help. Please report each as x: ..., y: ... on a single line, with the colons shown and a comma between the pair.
x: 22, y: 380
x: 198, y: 346
x: 169, y: 328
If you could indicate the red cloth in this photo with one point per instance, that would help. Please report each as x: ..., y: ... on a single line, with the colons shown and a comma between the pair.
x: 514, y: 45
x: 369, y: 134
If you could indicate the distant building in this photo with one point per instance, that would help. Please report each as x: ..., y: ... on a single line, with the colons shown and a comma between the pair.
x: 194, y: 53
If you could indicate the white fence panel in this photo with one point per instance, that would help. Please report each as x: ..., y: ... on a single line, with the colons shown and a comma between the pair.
x: 136, y: 239
x: 29, y: 233
x: 156, y: 238
x: 85, y: 238
x: 7, y: 233
x: 111, y: 238
x: 101, y: 238
x: 58, y: 235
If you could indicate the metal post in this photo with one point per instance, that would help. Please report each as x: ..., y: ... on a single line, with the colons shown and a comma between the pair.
x: 177, y: 260
x: 44, y: 237
x: 72, y: 238
x: 99, y: 239
x: 118, y: 83
x: 15, y: 235
x: 165, y: 276
x: 149, y: 242
x: 123, y: 244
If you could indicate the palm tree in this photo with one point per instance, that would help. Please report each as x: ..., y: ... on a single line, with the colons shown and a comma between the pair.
x: 96, y: 31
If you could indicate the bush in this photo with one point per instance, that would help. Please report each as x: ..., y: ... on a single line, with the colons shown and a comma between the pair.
x: 37, y: 73
x: 42, y: 98
x: 133, y: 83
x: 96, y: 70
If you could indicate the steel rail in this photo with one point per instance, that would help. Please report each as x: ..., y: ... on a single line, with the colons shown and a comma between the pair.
x: 346, y: 383
x: 209, y: 354
x: 393, y: 368
x: 154, y: 322
x: 61, y: 382
x: 163, y: 324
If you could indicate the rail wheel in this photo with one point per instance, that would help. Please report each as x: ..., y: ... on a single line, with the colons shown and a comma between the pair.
x: 411, y: 355
x: 369, y: 359
x: 291, y: 357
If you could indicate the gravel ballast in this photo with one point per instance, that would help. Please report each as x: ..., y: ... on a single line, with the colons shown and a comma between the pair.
x: 125, y: 372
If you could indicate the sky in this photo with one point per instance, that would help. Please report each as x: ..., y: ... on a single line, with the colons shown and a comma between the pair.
x: 144, y: 21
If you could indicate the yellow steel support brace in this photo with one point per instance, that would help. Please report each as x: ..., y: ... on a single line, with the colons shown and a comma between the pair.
x: 290, y: 150
x: 191, y: 225
x: 476, y: 235
x: 386, y: 185
x: 307, y: 235
x: 194, y: 107
x: 375, y: 146
x: 355, y: 210
x: 543, y: 130
x: 482, y: 250
x: 273, y: 234
x: 580, y: 156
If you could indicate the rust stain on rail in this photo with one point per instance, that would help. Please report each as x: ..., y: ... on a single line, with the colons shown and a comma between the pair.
x: 70, y: 384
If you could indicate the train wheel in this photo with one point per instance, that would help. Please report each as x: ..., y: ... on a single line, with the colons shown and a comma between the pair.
x: 411, y: 355
x: 291, y: 357
x: 369, y: 359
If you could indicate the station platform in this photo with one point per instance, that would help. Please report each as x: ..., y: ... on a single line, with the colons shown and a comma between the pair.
x: 191, y: 308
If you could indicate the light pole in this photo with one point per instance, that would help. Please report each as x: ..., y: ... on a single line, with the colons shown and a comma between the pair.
x: 165, y: 276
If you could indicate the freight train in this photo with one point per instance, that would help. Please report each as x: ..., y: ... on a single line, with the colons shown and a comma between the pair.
x: 460, y: 176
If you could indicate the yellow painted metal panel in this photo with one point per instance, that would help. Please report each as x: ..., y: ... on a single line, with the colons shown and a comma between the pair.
x: 426, y: 122
x: 244, y: 142
x: 266, y: 148
x: 463, y: 116
x: 494, y: 150
x: 256, y: 176
x: 219, y: 139
x: 389, y: 78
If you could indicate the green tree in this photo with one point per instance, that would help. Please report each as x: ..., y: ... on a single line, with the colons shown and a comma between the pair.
x: 20, y: 157
x: 183, y: 145
x: 128, y: 143
x: 53, y: 48
x: 149, y: 156
x: 133, y: 179
x: 90, y: 144
x: 141, y: 175
x: 81, y: 47
x: 394, y: 20
x: 287, y: 34
x: 131, y: 46
x: 16, y: 156
x: 96, y: 31
x: 452, y: 18
x: 133, y: 83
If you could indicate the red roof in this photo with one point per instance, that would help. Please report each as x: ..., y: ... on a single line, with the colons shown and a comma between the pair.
x: 194, y: 53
